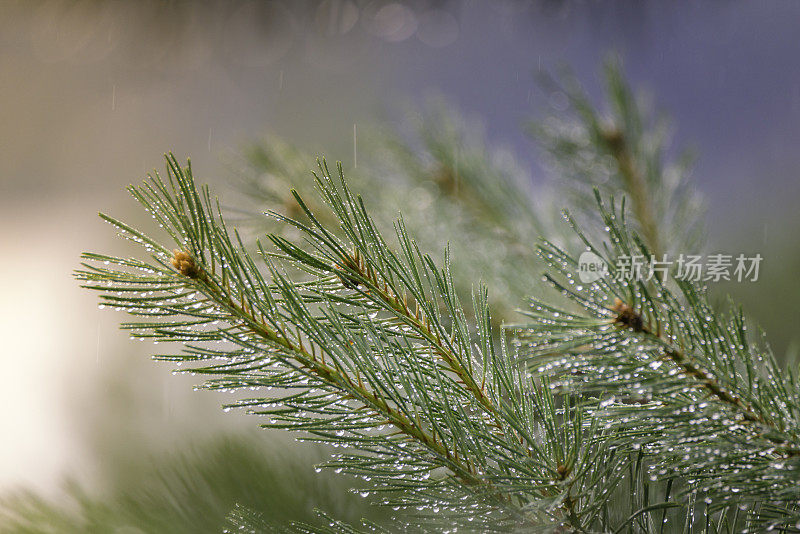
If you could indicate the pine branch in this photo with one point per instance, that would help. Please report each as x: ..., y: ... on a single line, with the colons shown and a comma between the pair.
x: 629, y: 318
x: 674, y: 377
x: 622, y: 150
x: 373, y: 351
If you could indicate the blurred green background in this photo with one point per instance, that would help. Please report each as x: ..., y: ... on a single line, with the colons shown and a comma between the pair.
x: 92, y: 93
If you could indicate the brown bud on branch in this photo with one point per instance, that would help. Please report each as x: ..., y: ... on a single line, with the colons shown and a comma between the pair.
x: 185, y: 264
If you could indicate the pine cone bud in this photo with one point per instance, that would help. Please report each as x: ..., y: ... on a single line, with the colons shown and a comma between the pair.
x: 627, y: 316
x: 562, y: 471
x: 185, y: 264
